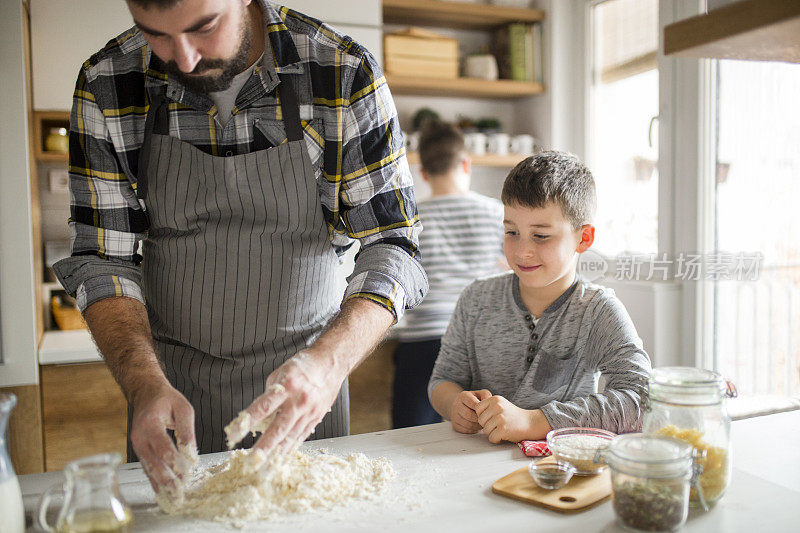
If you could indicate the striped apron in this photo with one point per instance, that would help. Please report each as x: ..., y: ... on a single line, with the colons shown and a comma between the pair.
x: 238, y: 269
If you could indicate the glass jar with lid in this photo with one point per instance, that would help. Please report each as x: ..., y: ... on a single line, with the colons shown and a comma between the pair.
x: 650, y: 480
x: 689, y: 404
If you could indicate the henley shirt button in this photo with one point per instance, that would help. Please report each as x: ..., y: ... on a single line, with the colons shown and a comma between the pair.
x: 529, y: 359
x: 531, y: 349
x: 535, y: 336
x: 528, y: 318
x: 532, y: 327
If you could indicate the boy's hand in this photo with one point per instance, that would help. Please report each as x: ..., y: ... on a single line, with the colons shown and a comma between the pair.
x: 462, y: 412
x: 502, y: 420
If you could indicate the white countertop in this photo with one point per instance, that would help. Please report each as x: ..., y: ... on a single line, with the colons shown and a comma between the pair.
x: 445, y: 478
x: 69, y: 346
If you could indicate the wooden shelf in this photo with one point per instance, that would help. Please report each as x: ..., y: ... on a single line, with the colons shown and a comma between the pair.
x: 764, y: 30
x: 460, y: 15
x: 51, y: 157
x: 470, y: 87
x: 487, y: 160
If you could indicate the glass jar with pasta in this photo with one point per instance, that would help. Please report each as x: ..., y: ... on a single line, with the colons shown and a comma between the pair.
x: 689, y: 404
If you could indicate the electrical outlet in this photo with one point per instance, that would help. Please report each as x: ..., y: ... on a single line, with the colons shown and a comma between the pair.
x: 59, y: 181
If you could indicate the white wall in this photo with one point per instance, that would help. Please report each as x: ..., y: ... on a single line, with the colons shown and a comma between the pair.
x: 654, y: 307
x: 360, y: 19
x: 64, y: 33
x: 17, y: 312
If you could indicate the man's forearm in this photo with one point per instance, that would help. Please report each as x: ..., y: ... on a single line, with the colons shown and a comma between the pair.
x: 122, y: 332
x: 352, y: 336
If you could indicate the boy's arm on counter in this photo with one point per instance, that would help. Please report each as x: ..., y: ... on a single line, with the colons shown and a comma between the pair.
x: 452, y: 364
x: 615, y: 349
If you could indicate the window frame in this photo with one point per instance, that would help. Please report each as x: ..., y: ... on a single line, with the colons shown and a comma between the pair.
x: 685, y: 160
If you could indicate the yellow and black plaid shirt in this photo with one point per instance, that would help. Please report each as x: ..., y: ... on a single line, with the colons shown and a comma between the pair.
x: 351, y: 132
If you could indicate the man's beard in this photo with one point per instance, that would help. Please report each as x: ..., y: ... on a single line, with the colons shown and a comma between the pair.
x: 230, y: 67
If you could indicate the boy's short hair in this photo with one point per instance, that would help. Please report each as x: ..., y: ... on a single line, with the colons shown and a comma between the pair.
x: 441, y: 147
x: 557, y: 177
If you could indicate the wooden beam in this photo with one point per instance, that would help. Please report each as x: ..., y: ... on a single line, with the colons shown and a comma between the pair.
x: 762, y: 30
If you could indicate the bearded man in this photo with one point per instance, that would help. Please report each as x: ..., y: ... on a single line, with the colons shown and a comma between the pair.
x: 223, y: 155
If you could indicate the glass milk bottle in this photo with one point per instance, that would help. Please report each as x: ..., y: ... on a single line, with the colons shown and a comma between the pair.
x: 12, y: 515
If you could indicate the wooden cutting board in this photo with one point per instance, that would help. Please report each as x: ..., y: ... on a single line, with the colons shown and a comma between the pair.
x: 581, y: 493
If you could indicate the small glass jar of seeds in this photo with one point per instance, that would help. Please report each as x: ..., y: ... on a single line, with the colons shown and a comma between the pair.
x: 650, y: 480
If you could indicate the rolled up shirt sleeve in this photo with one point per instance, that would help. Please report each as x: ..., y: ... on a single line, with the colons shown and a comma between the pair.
x: 376, y: 196
x: 620, y: 358
x: 106, y: 220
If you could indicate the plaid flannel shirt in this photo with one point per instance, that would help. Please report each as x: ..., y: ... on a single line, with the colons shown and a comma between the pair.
x: 351, y: 132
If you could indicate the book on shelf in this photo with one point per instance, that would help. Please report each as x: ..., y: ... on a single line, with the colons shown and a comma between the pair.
x: 518, y: 49
x: 538, y: 53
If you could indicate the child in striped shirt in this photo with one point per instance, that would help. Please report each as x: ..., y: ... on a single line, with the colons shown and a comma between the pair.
x: 461, y: 240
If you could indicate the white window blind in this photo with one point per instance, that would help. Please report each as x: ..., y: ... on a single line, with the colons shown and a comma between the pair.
x: 628, y: 38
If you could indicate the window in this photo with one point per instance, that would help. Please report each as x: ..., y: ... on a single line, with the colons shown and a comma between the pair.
x: 623, y: 144
x: 756, y: 320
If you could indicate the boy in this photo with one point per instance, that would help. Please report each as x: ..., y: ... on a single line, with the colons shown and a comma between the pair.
x: 522, y: 350
x: 461, y: 240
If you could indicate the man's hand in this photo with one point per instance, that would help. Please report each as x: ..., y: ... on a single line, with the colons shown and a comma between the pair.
x: 121, y: 330
x: 502, y: 420
x: 313, y: 377
x: 155, y: 410
x: 462, y: 412
x: 308, y: 393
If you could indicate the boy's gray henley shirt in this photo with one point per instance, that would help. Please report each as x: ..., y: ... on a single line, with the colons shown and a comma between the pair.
x: 492, y: 343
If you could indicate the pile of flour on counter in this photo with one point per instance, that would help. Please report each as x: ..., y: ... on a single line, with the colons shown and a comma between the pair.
x: 252, y: 485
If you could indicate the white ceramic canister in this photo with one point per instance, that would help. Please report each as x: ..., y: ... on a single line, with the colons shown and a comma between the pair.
x: 522, y: 144
x: 475, y: 143
x: 499, y: 143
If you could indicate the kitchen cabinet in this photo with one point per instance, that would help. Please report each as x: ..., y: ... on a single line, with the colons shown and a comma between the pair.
x: 84, y: 413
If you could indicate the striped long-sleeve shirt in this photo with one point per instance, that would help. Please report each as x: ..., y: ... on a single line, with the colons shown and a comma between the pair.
x: 351, y: 132
x: 462, y: 241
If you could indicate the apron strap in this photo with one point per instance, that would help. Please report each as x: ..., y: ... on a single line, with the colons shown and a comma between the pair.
x: 157, y: 121
x: 290, y: 109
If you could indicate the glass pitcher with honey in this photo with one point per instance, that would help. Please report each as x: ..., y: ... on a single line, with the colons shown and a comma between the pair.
x: 92, y: 501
